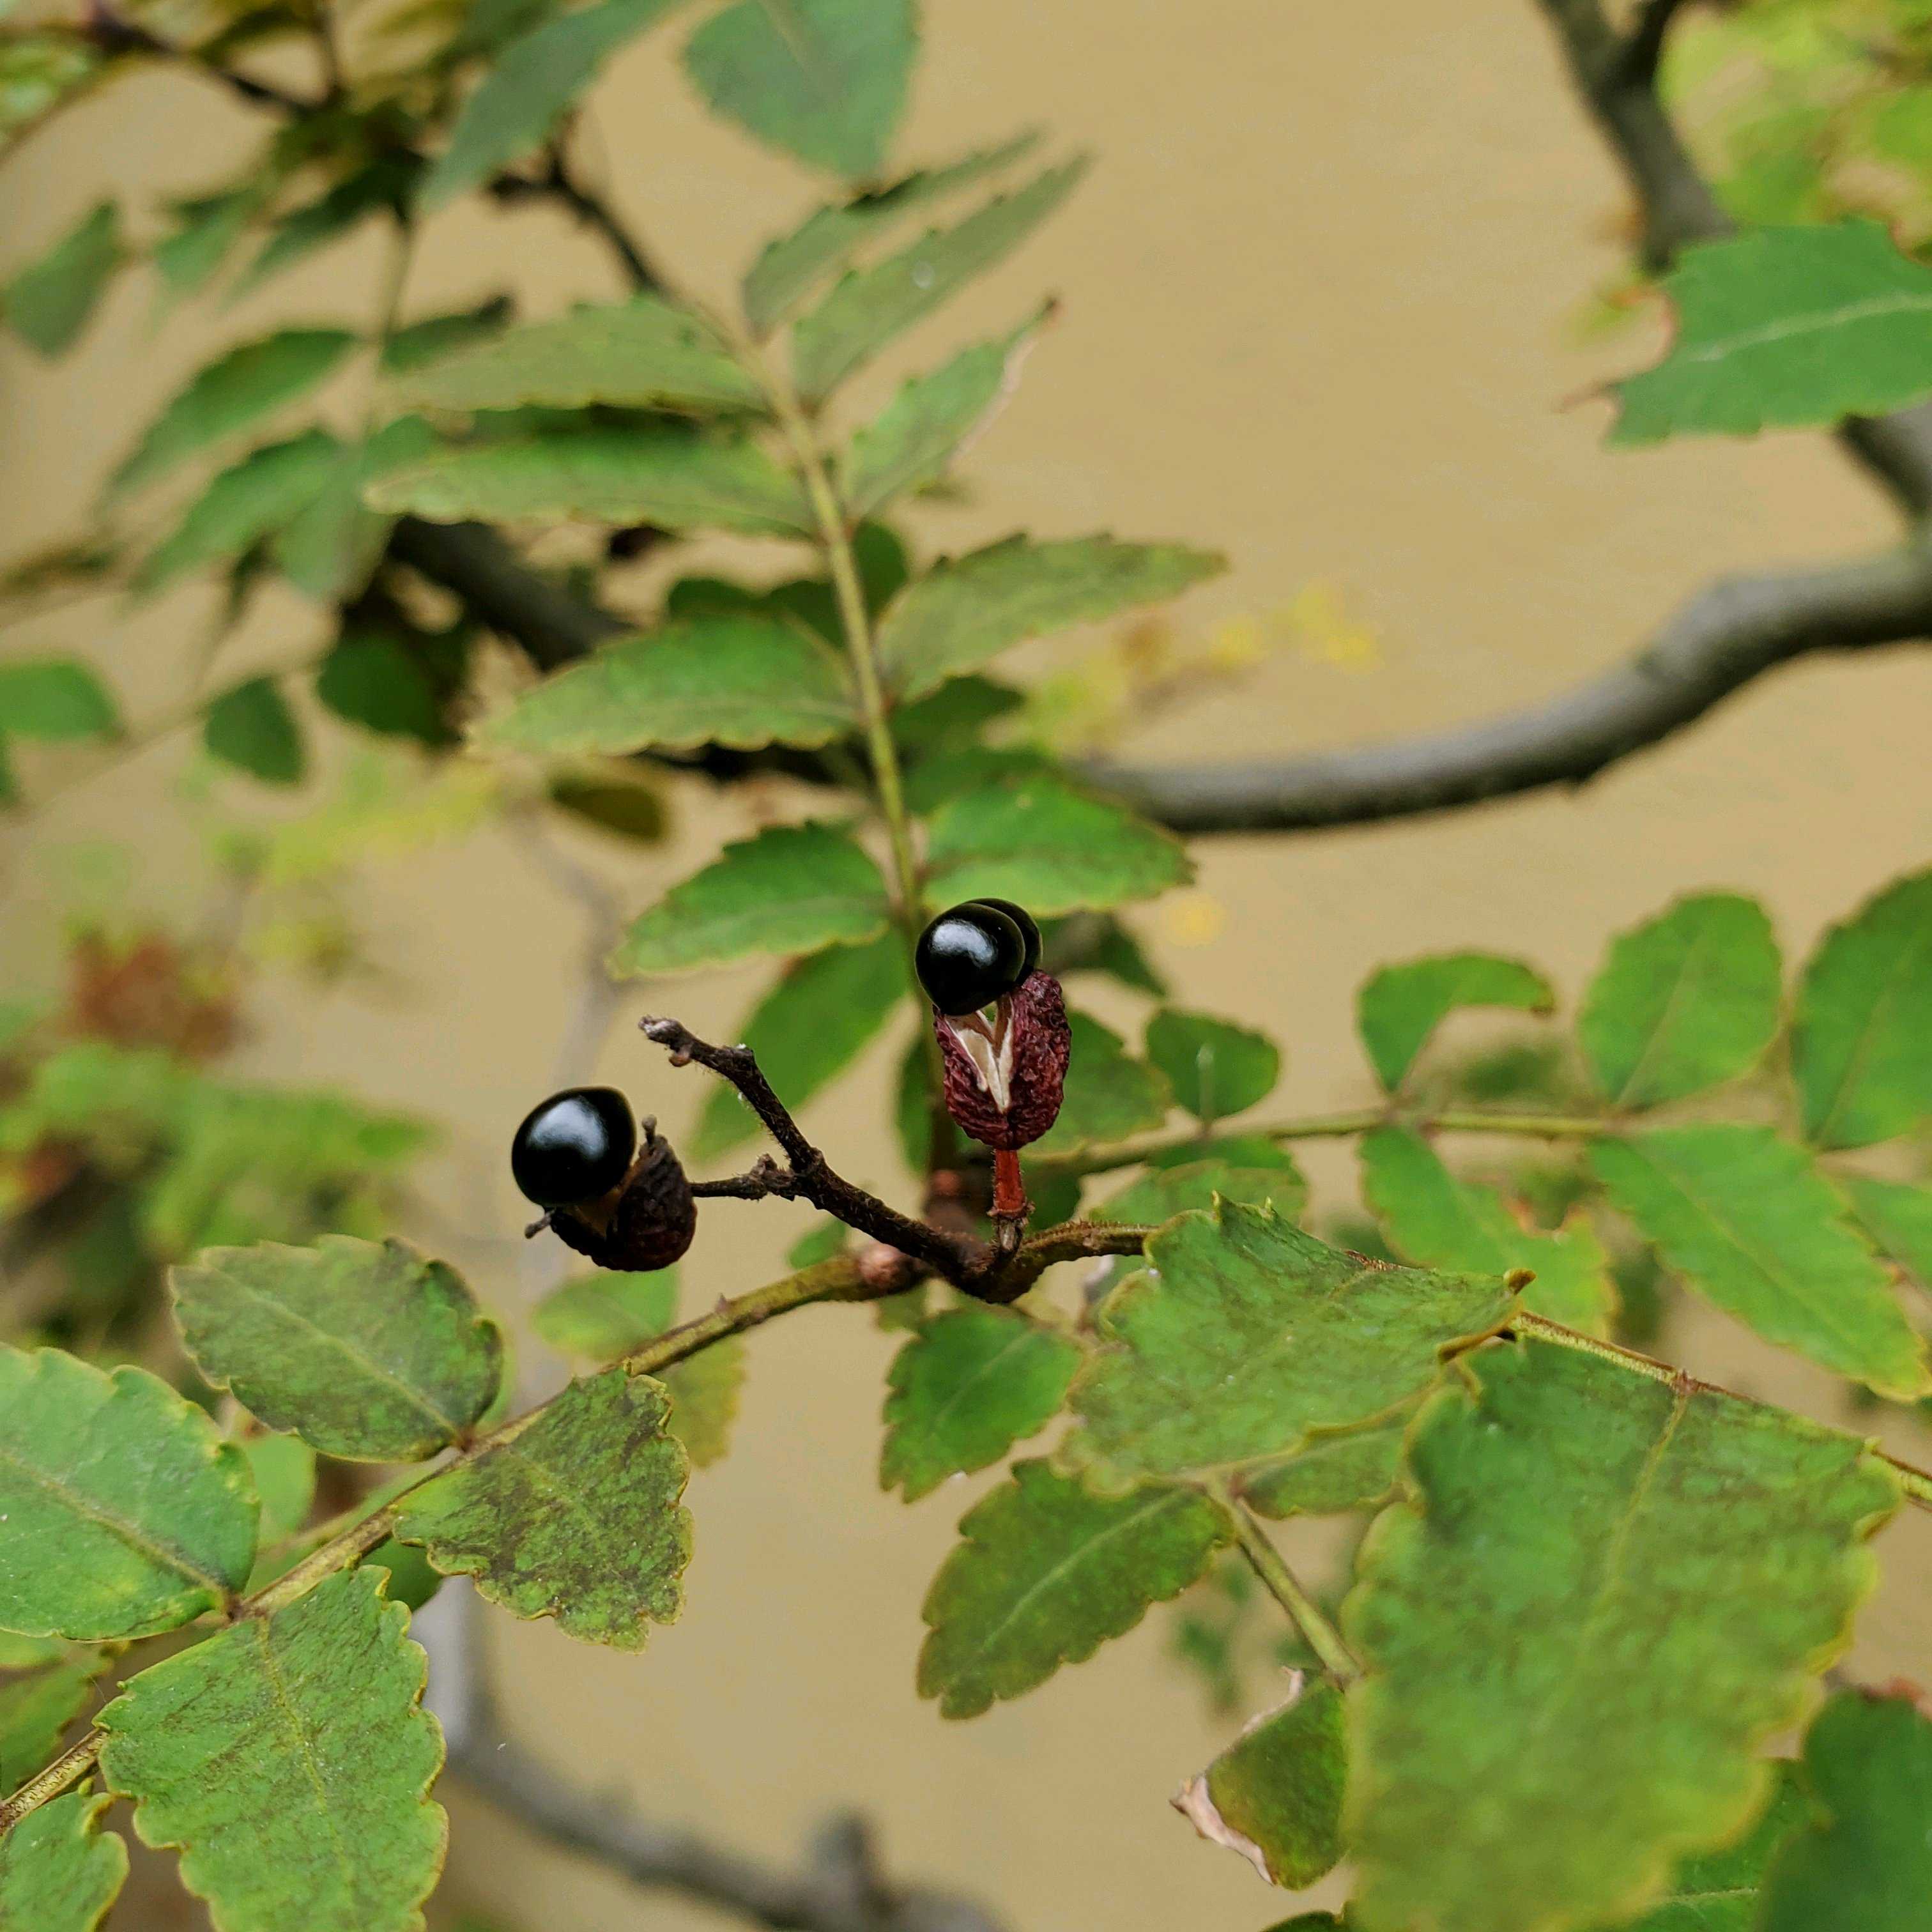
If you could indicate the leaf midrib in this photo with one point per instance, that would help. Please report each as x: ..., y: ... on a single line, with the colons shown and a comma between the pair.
x: 450, y: 1425
x: 1815, y: 321
x: 135, y: 1538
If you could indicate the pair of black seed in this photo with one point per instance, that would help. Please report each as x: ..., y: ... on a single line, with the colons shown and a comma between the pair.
x: 974, y: 954
x: 577, y: 1156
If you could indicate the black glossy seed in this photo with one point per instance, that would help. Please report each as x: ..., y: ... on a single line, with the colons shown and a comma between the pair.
x: 1024, y: 920
x: 969, y: 956
x: 574, y: 1147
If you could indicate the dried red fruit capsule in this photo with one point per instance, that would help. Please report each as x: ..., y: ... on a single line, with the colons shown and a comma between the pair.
x: 1005, y: 1063
x: 643, y: 1215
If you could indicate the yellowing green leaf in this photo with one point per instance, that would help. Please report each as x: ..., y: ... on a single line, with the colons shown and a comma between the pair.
x: 1862, y: 1861
x: 576, y: 1515
x: 824, y: 80
x: 1433, y: 1218
x: 59, y: 1871
x: 534, y: 81
x: 1274, y: 1795
x: 1687, y: 1000
x: 789, y: 268
x: 234, y: 393
x: 48, y: 302
x: 367, y: 1350
x: 1745, y: 1218
x: 930, y: 420
x: 642, y: 353
x: 1050, y: 848
x: 742, y: 681
x: 1398, y: 1008
x: 818, y: 1019
x: 1607, y: 1593
x: 1245, y: 1336
x: 1215, y: 1067
x: 871, y: 306
x: 792, y: 889
x: 667, y: 478
x: 1861, y: 1042
x: 1786, y: 326
x: 968, y: 1385
x: 1719, y: 1891
x: 963, y: 612
x: 1045, y: 1573
x: 290, y: 1758
x: 122, y: 1512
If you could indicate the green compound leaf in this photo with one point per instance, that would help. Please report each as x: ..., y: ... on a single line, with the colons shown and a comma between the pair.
x: 1783, y: 327
x: 676, y: 481
x: 1747, y: 1220
x: 367, y: 1350
x: 262, y: 494
x: 1274, y: 1795
x: 968, y: 1385
x: 1215, y: 1067
x: 1398, y: 1008
x: 823, y: 79
x: 1687, y: 1000
x: 793, y: 889
x: 535, y: 79
x: 233, y: 394
x: 871, y: 306
x: 1898, y: 1217
x: 575, y: 1516
x: 1046, y: 1572
x: 59, y: 1872
x: 126, y: 1513
x: 1109, y: 1096
x: 56, y: 699
x: 1636, y: 1580
x: 599, y: 1317
x: 965, y: 611
x: 639, y: 354
x: 1246, y: 1337
x: 1861, y: 1042
x: 290, y: 1759
x: 1038, y: 841
x: 207, y: 230
x: 1433, y: 1218
x: 48, y: 304
x: 35, y: 1709
x: 811, y: 1026
x: 250, y: 726
x: 1334, y: 1475
x: 1718, y: 1891
x: 704, y: 1391
x: 1862, y: 1862
x: 789, y: 268
x: 1163, y: 1192
x: 741, y: 681
x: 931, y: 419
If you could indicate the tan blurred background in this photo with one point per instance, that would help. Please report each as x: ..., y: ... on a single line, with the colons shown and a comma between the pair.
x: 1318, y: 304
